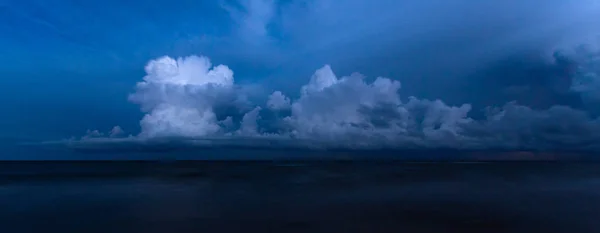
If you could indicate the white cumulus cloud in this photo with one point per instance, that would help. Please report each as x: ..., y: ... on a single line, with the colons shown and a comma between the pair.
x: 179, y: 96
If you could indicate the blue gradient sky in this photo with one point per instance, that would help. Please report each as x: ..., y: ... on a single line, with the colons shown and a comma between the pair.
x: 68, y: 66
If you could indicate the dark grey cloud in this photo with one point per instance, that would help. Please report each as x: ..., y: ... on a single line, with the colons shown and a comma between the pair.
x: 408, y: 38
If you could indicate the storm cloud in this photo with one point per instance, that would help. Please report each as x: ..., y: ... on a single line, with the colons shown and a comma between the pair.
x: 185, y: 98
x: 459, y: 74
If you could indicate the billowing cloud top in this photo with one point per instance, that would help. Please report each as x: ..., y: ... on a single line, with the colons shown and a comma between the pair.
x: 180, y: 95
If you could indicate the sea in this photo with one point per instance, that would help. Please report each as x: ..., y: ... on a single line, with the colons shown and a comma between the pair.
x: 299, y: 196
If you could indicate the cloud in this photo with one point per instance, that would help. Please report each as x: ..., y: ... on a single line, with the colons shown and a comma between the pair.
x: 319, y: 25
x: 337, y: 110
x: 179, y: 95
x: 249, y: 126
x: 516, y: 126
x: 510, y: 45
x: 586, y: 80
x: 116, y: 132
x: 189, y: 100
x: 252, y: 18
x: 420, y: 43
x: 278, y: 101
x: 92, y: 134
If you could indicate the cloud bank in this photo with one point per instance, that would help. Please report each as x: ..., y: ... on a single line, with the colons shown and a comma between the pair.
x: 190, y: 99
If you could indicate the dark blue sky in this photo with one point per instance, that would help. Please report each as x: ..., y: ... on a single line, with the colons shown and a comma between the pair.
x: 69, y: 66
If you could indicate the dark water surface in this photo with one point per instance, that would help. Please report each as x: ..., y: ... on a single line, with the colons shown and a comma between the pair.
x: 185, y: 196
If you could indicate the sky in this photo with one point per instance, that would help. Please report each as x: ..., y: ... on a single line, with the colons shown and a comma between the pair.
x: 391, y: 74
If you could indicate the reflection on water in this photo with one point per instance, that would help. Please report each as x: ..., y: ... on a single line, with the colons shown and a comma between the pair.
x: 299, y: 197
